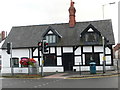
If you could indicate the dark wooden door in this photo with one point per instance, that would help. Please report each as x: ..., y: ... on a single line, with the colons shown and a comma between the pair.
x: 68, y: 61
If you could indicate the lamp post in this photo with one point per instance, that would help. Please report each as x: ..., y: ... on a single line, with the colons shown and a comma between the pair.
x: 104, y: 6
x: 104, y: 58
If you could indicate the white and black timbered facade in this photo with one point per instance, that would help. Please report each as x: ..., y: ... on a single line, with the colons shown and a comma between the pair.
x: 69, y: 45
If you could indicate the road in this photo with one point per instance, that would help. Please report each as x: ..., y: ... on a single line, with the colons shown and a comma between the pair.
x: 105, y: 82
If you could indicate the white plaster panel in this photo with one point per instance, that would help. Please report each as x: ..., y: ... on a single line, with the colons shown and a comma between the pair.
x: 35, y: 53
x: 59, y: 61
x: 101, y: 59
x: 99, y: 68
x: 40, y: 53
x: 67, y: 49
x: 78, y: 60
x: 87, y: 49
x: 20, y: 70
x: 81, y: 68
x: 40, y: 61
x: 78, y: 51
x: 98, y: 49
x: 83, y: 59
x: 58, y: 50
x: 52, y: 49
x: 107, y: 50
x: 108, y: 59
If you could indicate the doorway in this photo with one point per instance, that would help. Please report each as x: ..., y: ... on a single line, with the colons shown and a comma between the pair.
x: 67, y: 61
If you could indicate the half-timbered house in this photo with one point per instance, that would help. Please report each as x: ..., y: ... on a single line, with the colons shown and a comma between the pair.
x: 69, y: 45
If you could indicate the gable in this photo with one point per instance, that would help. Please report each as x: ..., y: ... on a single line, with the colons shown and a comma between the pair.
x: 50, y: 30
x: 90, y: 28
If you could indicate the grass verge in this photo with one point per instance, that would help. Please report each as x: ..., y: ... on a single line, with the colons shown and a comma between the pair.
x: 23, y: 76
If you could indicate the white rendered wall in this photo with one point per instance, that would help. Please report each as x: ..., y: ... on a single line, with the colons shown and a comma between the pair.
x: 67, y: 49
x: 21, y: 53
x: 16, y: 53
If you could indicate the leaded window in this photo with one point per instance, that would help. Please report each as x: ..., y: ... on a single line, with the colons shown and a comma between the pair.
x: 15, y: 62
x: 50, y: 60
x: 51, y: 38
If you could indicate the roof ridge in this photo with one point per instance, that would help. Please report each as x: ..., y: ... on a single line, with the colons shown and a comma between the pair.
x: 61, y: 23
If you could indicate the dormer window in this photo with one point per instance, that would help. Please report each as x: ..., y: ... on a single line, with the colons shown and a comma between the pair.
x: 90, y: 35
x: 51, y: 35
x: 51, y: 38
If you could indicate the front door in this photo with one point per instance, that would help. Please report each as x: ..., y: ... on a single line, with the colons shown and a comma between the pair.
x: 67, y: 61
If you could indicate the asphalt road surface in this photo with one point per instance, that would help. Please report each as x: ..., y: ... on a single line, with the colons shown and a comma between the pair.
x: 105, y: 82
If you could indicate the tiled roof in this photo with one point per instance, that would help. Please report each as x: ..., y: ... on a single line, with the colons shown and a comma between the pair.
x: 29, y: 36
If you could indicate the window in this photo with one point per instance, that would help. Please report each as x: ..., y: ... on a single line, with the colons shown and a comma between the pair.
x: 91, y: 37
x: 51, y: 38
x: 15, y: 62
x: 89, y: 57
x: 50, y: 60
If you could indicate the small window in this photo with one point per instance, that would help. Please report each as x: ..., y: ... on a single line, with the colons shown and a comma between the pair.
x: 50, y: 60
x: 51, y: 38
x: 15, y: 62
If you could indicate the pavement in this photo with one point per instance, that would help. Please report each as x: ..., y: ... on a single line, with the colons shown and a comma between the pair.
x: 77, y: 75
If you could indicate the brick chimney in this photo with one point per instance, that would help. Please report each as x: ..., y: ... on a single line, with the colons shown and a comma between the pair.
x: 72, y: 11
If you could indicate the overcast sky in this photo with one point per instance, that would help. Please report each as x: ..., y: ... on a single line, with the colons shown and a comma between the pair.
x: 35, y: 12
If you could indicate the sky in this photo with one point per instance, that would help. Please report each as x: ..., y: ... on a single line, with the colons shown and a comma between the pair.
x: 36, y: 12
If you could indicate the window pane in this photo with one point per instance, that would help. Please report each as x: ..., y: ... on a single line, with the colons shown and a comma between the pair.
x: 50, y: 38
x: 47, y: 39
x: 91, y: 37
x: 54, y: 39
